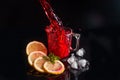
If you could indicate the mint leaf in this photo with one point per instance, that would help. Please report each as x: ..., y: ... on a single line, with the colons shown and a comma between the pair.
x: 53, y: 57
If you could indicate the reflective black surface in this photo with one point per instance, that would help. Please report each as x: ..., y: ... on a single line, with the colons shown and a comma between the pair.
x: 24, y: 20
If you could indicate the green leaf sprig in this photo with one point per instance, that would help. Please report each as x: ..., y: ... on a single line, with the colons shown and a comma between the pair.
x: 53, y: 57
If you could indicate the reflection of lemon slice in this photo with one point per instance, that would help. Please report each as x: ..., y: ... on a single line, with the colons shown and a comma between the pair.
x: 34, y: 55
x: 38, y: 64
x: 35, y: 46
x: 56, y: 68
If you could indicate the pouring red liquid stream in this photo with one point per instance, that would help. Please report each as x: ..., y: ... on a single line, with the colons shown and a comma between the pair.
x: 59, y: 38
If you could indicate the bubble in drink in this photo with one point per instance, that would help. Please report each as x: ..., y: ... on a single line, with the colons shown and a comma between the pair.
x: 80, y: 52
x: 71, y: 59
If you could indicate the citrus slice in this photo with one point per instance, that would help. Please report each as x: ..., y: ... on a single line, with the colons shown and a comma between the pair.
x: 35, y: 46
x: 56, y: 68
x: 38, y: 64
x: 34, y: 55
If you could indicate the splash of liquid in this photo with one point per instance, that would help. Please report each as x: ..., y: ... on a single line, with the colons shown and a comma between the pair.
x: 53, y: 18
x: 58, y: 42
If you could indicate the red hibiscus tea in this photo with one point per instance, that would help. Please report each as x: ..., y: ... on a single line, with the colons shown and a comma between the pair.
x: 59, y: 41
x: 59, y: 37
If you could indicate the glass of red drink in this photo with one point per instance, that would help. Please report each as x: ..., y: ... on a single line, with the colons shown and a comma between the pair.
x: 59, y: 40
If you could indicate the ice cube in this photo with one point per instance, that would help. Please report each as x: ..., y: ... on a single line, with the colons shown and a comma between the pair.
x: 74, y: 65
x: 82, y: 62
x: 71, y: 59
x: 80, y: 52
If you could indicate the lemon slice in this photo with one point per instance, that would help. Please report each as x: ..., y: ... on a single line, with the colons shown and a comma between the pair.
x: 34, y: 55
x: 56, y: 68
x: 35, y: 46
x: 38, y: 64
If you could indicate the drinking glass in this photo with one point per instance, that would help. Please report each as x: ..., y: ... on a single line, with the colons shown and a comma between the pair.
x: 60, y: 41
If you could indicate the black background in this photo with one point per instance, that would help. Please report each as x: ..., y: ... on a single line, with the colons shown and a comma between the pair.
x: 22, y: 21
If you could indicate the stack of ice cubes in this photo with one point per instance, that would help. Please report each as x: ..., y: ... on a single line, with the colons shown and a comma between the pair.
x: 77, y: 61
